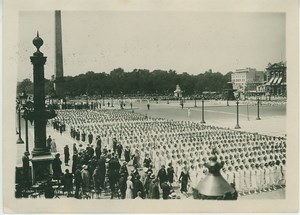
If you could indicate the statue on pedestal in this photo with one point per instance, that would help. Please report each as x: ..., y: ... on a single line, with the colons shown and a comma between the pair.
x: 178, y: 92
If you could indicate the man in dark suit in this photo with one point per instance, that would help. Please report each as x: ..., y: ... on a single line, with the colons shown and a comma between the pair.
x: 138, y: 187
x: 77, y: 181
x: 162, y: 175
x: 90, y: 137
x: 113, y: 174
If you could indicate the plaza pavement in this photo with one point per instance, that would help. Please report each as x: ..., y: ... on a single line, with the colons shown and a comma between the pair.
x: 219, y: 114
x: 273, y: 118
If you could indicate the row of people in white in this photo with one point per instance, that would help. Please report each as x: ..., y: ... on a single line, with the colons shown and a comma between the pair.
x: 188, y: 144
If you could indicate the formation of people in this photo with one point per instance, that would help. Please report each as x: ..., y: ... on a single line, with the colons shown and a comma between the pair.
x: 252, y: 162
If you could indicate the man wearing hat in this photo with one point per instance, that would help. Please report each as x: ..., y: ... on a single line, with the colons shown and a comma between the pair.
x: 124, y: 170
x: 56, y: 167
x: 98, y: 147
x: 148, y: 179
x: 77, y: 180
x: 90, y: 138
x: 154, y: 189
x: 162, y: 175
x: 85, y: 179
x: 147, y: 161
x: 67, y: 155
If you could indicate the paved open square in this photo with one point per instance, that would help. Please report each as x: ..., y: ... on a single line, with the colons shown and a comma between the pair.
x: 217, y: 113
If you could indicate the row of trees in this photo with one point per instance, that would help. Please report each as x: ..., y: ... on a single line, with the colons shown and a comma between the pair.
x: 139, y: 81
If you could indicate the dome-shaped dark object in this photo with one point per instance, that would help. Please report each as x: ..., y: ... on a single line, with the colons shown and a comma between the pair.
x: 214, y: 186
x: 37, y: 41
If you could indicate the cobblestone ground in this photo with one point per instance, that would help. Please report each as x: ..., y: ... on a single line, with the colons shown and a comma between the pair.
x: 272, y: 123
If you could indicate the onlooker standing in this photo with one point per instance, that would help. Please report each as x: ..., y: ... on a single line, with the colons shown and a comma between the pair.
x: 162, y: 175
x: 48, y: 142
x: 90, y: 137
x: 67, y: 155
x: 129, y: 188
x: 165, y: 190
x: 56, y: 166
x: 127, y: 154
x: 77, y: 181
x: 68, y: 182
x: 170, y: 174
x: 184, y: 177
x: 154, y: 189
x: 119, y: 150
x: 53, y: 146
x: 85, y: 179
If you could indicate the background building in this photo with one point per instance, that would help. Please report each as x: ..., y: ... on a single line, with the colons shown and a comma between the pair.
x: 276, y: 79
x: 246, y: 80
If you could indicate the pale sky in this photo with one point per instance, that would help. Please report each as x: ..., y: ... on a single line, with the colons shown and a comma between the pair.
x: 191, y: 42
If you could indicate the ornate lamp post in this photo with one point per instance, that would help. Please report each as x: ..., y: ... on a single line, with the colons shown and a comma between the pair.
x: 121, y: 102
x: 237, y: 115
x: 19, y: 107
x: 203, y: 121
x: 168, y: 97
x: 103, y: 103
x: 22, y: 105
x: 87, y: 102
x: 28, y: 114
x: 258, y: 118
x: 112, y: 99
x: 41, y: 156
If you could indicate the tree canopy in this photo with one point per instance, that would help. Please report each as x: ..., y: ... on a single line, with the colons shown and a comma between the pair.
x: 138, y: 81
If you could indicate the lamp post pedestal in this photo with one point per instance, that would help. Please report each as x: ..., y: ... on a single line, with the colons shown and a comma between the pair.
x: 42, y: 167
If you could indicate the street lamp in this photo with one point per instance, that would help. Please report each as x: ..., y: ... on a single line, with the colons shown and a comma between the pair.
x: 87, y: 102
x: 103, y: 103
x: 19, y: 107
x: 28, y: 111
x: 258, y: 118
x: 237, y: 115
x: 168, y: 97
x: 122, y: 107
x: 203, y: 121
x: 112, y: 99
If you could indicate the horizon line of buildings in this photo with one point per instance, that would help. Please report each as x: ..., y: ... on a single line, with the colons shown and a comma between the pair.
x: 271, y: 82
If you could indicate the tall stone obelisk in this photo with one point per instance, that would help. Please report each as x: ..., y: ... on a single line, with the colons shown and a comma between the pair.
x: 59, y: 70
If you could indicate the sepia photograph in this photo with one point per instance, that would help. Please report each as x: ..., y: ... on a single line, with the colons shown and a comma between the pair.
x: 162, y: 106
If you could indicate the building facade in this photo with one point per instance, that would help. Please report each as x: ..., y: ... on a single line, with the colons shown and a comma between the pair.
x: 246, y: 80
x: 276, y: 79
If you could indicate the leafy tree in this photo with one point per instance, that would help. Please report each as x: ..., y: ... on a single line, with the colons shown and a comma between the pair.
x: 142, y: 81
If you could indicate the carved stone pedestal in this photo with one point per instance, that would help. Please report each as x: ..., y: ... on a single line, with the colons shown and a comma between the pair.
x: 42, y: 167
